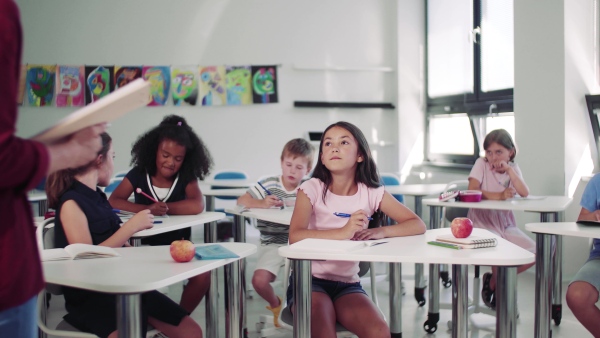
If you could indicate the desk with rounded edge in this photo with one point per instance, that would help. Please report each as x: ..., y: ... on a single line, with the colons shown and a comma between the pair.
x: 414, y: 249
x: 544, y: 236
x: 550, y: 209
x: 143, y: 269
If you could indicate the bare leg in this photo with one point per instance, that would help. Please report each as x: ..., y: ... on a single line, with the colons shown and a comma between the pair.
x: 186, y: 328
x: 194, y: 291
x: 261, y: 281
x: 357, y: 313
x: 322, y: 316
x: 582, y: 298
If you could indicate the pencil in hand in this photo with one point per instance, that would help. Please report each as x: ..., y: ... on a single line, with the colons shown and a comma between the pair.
x: 139, y: 191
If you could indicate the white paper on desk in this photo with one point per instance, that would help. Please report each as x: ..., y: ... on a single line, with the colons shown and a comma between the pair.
x: 78, y: 251
x: 112, y: 106
x: 530, y: 197
x: 332, y: 245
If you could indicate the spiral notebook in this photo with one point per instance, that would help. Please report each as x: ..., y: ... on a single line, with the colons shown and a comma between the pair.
x: 471, y: 242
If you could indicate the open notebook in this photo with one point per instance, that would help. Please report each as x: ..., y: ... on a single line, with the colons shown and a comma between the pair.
x: 78, y: 251
x: 471, y: 242
x: 332, y: 245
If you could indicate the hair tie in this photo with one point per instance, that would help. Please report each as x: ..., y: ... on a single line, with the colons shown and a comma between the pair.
x: 179, y: 123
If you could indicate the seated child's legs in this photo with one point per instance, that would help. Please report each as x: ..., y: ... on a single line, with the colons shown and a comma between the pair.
x: 582, y: 296
x: 168, y: 317
x: 267, y: 267
x: 357, y: 313
x: 194, y: 291
x: 187, y: 328
x: 323, y: 316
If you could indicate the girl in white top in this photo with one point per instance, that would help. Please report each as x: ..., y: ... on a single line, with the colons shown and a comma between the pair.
x: 345, y: 180
x: 498, y: 177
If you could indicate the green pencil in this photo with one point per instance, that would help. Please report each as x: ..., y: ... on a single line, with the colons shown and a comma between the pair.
x: 445, y: 245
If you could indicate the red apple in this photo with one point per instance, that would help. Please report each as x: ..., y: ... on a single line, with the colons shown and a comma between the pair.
x: 461, y: 227
x: 182, y: 251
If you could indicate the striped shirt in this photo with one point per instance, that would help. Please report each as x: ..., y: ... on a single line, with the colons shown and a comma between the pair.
x: 272, y: 233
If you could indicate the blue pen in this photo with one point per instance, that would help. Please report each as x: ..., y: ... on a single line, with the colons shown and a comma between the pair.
x: 341, y: 214
x: 157, y: 222
x: 265, y: 189
x: 123, y: 212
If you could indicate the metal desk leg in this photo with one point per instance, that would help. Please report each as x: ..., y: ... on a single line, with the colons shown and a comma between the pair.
x: 543, y: 284
x: 234, y: 295
x: 460, y: 303
x: 506, y: 305
x: 239, y: 235
x: 433, y: 316
x: 212, y: 297
x: 129, y: 318
x: 419, y: 267
x: 395, y: 274
x: 557, y: 285
x: 302, y: 284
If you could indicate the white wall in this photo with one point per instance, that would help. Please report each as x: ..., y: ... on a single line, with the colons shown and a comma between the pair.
x: 321, y: 33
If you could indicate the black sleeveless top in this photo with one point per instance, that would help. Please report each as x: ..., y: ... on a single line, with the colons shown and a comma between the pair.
x: 139, y: 179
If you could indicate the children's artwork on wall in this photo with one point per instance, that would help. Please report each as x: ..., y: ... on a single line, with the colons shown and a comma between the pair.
x: 40, y: 85
x: 184, y: 81
x: 99, y: 82
x: 22, y: 80
x: 126, y: 74
x: 212, y: 86
x: 264, y: 84
x: 70, y: 88
x: 160, y: 83
x: 239, y: 86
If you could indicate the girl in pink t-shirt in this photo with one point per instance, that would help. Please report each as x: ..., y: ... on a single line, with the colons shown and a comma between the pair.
x: 345, y: 180
x: 498, y: 178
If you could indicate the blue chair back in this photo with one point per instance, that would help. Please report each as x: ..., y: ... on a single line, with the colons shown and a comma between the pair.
x: 113, y: 184
x: 42, y: 185
x: 228, y: 175
x: 389, y: 180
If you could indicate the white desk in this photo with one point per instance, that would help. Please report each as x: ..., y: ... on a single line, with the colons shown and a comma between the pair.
x: 545, y: 233
x: 143, y: 269
x: 414, y: 249
x: 228, y: 183
x: 550, y: 209
x: 418, y: 191
x: 176, y: 222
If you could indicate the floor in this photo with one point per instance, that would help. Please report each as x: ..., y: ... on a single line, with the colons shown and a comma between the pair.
x: 413, y: 315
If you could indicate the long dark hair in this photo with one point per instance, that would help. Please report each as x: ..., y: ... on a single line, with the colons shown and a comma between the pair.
x: 366, y: 171
x: 197, y: 161
x: 60, y: 181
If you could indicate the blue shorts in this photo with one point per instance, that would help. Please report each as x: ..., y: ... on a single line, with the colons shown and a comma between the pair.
x: 333, y: 289
x: 589, y: 273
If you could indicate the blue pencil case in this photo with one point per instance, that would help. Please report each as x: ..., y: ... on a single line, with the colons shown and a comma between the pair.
x: 214, y: 251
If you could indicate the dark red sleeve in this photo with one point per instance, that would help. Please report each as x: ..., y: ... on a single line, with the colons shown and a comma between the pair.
x: 23, y: 163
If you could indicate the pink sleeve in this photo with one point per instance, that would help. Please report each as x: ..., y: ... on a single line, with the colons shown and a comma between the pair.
x: 313, y: 189
x: 478, y: 168
x: 375, y: 197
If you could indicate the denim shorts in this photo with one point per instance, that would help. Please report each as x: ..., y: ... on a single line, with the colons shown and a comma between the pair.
x: 332, y: 288
x: 590, y: 273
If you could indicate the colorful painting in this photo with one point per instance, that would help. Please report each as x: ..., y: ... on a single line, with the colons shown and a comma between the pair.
x: 70, y: 88
x: 160, y: 83
x: 239, y: 86
x: 212, y: 86
x: 126, y: 74
x: 264, y: 84
x: 21, y: 89
x: 40, y: 84
x: 99, y: 82
x: 184, y: 81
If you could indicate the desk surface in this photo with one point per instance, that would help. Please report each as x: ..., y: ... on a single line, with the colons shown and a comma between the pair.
x: 533, y: 204
x: 414, y: 249
x: 228, y: 183
x: 139, y: 269
x: 274, y: 215
x: 415, y: 189
x: 36, y: 195
x: 176, y: 222
x: 565, y: 228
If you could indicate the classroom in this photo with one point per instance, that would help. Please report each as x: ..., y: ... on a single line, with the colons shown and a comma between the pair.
x: 376, y: 51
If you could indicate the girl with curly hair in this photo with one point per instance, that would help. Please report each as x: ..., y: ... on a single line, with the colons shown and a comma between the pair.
x: 167, y: 162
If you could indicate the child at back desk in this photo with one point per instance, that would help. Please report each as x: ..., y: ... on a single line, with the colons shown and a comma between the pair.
x: 296, y: 162
x: 168, y: 160
x: 345, y: 180
x: 498, y: 177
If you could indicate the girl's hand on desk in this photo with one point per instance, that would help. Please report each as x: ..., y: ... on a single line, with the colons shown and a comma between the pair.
x: 508, y: 193
x: 159, y: 209
x: 141, y: 221
x: 356, y: 222
x: 272, y: 201
x: 363, y: 235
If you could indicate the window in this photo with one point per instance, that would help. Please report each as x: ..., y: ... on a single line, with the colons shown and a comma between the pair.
x: 470, y: 76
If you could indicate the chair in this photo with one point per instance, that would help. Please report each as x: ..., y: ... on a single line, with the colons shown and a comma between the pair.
x: 121, y: 174
x: 265, y: 325
x: 391, y: 179
x: 114, y: 183
x: 45, y: 240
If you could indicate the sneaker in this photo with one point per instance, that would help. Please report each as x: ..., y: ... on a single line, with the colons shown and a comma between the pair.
x: 487, y: 295
x: 276, y: 311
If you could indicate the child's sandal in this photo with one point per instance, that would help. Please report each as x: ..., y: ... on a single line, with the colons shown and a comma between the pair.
x: 487, y: 295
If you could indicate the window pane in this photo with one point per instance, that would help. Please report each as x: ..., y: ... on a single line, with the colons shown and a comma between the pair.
x: 450, y: 134
x: 449, y: 49
x: 497, y: 51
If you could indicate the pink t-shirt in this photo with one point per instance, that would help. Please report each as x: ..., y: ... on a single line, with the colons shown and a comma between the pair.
x: 322, y: 218
x: 489, y: 179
